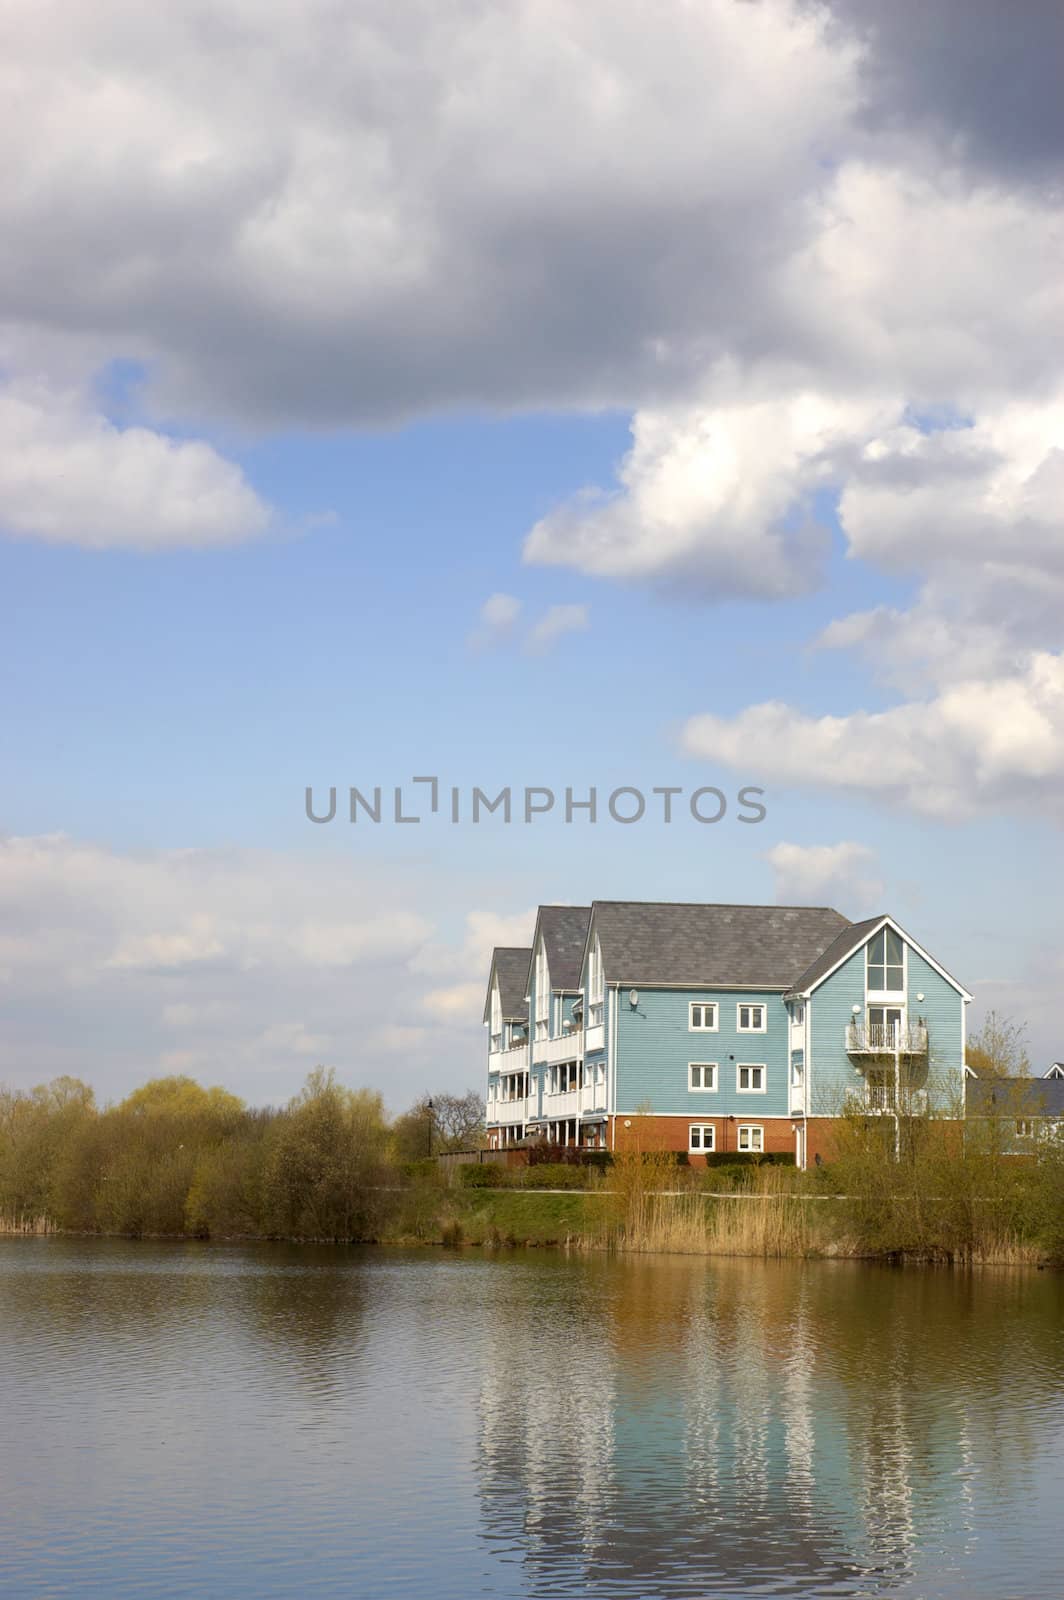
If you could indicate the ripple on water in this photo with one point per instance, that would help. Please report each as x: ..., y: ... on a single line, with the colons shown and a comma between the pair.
x: 270, y: 1421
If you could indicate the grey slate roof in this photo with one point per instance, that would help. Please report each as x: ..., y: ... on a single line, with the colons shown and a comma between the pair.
x: 564, y: 930
x: 849, y: 940
x: 732, y: 946
x: 1015, y: 1097
x: 511, y: 966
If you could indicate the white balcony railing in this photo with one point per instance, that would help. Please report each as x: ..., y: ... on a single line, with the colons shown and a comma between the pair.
x: 885, y: 1038
x: 513, y: 1060
x: 595, y: 1037
x: 561, y: 1105
x: 568, y: 1047
x: 880, y: 1099
x: 508, y: 1112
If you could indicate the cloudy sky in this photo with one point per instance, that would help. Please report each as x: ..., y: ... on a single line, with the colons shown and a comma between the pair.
x: 532, y: 393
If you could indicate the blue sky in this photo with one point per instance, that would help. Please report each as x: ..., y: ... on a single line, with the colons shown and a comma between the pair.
x: 695, y: 419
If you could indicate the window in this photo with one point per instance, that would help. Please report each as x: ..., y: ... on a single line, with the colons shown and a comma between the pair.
x: 567, y: 1076
x: 751, y: 1018
x: 798, y: 1013
x: 886, y: 963
x: 1024, y: 1128
x: 751, y: 1136
x: 542, y: 992
x: 884, y: 1027
x: 594, y: 985
x: 703, y: 1017
x: 496, y: 1017
x: 750, y: 1079
x: 701, y: 1136
x: 702, y: 1075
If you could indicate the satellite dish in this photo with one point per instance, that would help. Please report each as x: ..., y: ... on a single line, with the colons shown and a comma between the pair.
x: 633, y: 997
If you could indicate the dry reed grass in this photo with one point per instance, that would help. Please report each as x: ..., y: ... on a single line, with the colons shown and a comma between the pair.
x: 25, y: 1226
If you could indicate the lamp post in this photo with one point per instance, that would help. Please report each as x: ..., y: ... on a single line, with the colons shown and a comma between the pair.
x: 430, y: 1118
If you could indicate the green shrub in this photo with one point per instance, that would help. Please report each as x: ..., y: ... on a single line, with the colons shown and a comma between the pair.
x: 481, y: 1175
x: 426, y: 1170
x: 749, y: 1158
x: 567, y: 1155
x: 560, y: 1175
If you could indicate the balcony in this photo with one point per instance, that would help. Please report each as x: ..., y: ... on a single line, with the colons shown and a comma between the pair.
x: 885, y: 1039
x: 508, y: 1112
x: 515, y: 1059
x: 568, y: 1047
x: 880, y: 1099
x: 557, y: 1106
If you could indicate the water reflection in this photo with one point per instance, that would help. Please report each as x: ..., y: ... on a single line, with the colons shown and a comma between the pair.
x: 768, y: 1429
x: 269, y: 1421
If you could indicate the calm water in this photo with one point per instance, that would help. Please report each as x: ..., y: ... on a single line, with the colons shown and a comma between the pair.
x: 182, y: 1419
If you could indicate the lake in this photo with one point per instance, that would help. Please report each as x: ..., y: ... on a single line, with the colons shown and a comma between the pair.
x: 270, y: 1420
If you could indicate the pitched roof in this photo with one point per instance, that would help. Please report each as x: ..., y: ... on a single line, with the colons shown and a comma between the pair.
x: 511, y: 968
x: 1011, y: 1097
x: 746, y: 946
x: 564, y: 930
x: 850, y: 939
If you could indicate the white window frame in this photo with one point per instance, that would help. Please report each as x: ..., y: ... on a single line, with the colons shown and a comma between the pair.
x: 702, y: 1128
x: 888, y: 993
x: 703, y: 1027
x: 1024, y: 1128
x: 798, y: 1014
x: 751, y: 1066
x: 751, y: 1005
x: 749, y: 1129
x: 712, y: 1067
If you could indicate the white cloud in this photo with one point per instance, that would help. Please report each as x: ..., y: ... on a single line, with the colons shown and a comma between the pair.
x: 261, y: 962
x: 498, y: 618
x: 840, y: 874
x: 294, y: 1038
x: 980, y: 744
x: 555, y: 623
x: 718, y: 496
x: 989, y: 491
x: 69, y: 476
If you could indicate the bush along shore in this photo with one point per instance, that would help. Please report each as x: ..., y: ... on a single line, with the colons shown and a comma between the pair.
x: 180, y: 1161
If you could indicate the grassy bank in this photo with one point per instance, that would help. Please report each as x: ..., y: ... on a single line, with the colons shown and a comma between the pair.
x: 175, y: 1160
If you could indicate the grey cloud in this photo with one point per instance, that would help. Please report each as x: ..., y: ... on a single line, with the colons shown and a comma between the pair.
x: 981, y: 75
x: 319, y: 217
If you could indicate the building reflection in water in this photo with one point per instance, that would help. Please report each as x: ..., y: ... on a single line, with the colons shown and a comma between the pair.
x: 684, y: 1426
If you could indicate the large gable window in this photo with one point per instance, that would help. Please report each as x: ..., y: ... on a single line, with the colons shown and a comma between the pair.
x: 886, y: 963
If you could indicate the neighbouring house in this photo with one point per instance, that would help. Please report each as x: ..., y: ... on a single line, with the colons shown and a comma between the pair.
x: 715, y: 1028
x: 1025, y: 1111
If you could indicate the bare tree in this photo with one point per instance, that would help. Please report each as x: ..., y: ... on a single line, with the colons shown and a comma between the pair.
x: 999, y: 1048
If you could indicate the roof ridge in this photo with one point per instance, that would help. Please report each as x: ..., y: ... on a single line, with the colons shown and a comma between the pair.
x: 725, y: 905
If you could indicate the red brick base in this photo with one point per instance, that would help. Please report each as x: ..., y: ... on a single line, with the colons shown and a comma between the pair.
x: 673, y: 1133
